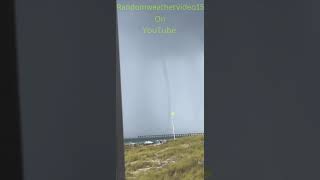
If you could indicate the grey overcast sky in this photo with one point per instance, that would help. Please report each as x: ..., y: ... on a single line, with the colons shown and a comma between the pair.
x: 142, y: 56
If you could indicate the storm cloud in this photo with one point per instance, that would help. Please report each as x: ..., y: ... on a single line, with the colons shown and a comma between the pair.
x: 144, y: 87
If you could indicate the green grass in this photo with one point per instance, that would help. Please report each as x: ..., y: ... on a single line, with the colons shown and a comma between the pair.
x: 181, y: 159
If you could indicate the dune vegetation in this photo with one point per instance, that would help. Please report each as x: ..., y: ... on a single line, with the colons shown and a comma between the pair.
x: 180, y: 159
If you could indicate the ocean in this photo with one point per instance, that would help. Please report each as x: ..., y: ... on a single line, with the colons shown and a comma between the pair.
x: 142, y: 140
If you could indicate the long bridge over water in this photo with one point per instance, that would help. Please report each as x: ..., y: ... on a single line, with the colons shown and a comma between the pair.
x: 170, y: 135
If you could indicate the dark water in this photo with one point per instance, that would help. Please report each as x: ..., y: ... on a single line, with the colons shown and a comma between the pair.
x: 142, y: 140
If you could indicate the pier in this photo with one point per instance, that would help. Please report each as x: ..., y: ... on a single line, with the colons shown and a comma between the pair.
x: 169, y: 135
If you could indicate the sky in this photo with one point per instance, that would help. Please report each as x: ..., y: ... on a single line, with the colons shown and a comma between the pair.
x: 146, y: 59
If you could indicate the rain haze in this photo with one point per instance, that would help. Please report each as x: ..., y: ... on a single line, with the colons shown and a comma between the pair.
x: 161, y: 73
